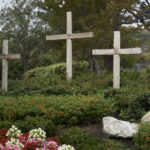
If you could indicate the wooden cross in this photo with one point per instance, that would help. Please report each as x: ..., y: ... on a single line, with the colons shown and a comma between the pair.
x: 69, y: 36
x: 5, y: 56
x: 116, y: 52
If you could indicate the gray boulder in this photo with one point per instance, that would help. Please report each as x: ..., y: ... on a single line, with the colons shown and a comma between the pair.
x: 119, y: 128
x: 146, y: 117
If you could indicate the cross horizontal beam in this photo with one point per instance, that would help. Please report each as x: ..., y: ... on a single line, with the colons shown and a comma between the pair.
x: 120, y: 51
x: 10, y: 56
x: 130, y: 51
x: 70, y: 36
x: 103, y: 52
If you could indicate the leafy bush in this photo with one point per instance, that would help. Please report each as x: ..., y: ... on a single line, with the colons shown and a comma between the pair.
x: 57, y: 69
x: 142, y: 137
x: 30, y: 123
x: 84, y: 84
x: 80, y: 139
x: 5, y: 124
x: 67, y: 110
x: 129, y: 104
x: 108, y: 144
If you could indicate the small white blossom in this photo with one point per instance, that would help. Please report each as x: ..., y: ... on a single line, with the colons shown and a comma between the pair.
x: 66, y: 147
x: 13, y: 132
x: 37, y: 133
x: 15, y: 142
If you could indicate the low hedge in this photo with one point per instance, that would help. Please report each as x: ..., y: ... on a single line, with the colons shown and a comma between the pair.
x: 85, y: 84
x: 130, y: 103
x: 57, y: 69
x: 68, y: 110
x: 29, y: 123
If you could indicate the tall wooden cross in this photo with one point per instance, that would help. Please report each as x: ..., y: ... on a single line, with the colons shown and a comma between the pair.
x: 116, y: 52
x: 5, y: 56
x: 69, y: 36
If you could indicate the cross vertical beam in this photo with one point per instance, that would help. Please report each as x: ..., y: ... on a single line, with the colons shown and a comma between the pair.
x: 5, y: 67
x: 116, y: 52
x: 116, y: 61
x: 69, y: 36
x: 69, y: 46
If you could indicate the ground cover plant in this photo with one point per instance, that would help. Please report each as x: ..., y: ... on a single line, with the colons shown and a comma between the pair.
x: 62, y: 110
x: 53, y: 104
x: 73, y: 139
x: 142, y: 137
x: 14, y: 139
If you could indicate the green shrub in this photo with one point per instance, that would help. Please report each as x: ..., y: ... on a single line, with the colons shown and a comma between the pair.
x: 30, y: 123
x: 108, y: 144
x: 80, y: 139
x: 6, y: 124
x: 129, y: 104
x: 85, y: 84
x: 66, y: 110
x: 57, y: 69
x: 128, y: 61
x: 142, y: 137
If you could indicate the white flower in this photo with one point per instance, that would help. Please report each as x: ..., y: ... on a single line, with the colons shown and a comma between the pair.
x: 13, y: 132
x: 37, y: 133
x: 15, y: 142
x: 66, y: 147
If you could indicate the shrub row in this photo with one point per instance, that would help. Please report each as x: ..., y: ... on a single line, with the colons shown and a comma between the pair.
x: 130, y: 103
x: 84, y: 84
x: 68, y: 110
x: 81, y: 140
x: 58, y: 69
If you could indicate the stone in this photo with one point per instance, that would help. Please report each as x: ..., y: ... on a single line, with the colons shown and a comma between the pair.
x: 119, y: 128
x: 146, y: 117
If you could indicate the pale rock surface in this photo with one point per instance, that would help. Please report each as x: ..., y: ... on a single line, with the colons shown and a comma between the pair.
x: 119, y: 128
x: 146, y: 117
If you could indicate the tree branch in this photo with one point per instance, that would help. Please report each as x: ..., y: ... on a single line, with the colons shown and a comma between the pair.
x: 147, y: 1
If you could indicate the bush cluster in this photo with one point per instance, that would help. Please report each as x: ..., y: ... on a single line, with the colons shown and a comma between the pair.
x: 29, y: 123
x: 82, y: 140
x: 58, y: 69
x: 130, y: 103
x: 142, y: 137
x: 67, y: 110
x: 84, y: 84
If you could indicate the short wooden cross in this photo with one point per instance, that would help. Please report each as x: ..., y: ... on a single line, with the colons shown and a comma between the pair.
x: 116, y: 52
x: 69, y: 36
x: 5, y: 56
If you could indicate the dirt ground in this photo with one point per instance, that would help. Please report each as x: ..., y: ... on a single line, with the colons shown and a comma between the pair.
x: 97, y: 130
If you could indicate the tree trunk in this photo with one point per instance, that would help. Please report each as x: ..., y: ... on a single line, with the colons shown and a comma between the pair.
x: 25, y: 62
x: 94, y: 66
x: 108, y: 62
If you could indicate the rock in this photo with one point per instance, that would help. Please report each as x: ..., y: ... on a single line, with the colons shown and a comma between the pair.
x: 146, y: 117
x: 118, y: 128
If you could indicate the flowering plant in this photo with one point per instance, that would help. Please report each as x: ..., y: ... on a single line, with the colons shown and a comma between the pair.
x: 3, y: 137
x: 13, y: 132
x: 37, y: 133
x: 34, y: 140
x: 51, y: 145
x: 66, y: 147
x: 9, y: 147
x: 15, y: 142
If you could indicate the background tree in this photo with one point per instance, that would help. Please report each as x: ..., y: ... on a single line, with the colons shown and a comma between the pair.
x: 140, y: 13
x: 26, y: 23
x: 100, y: 16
